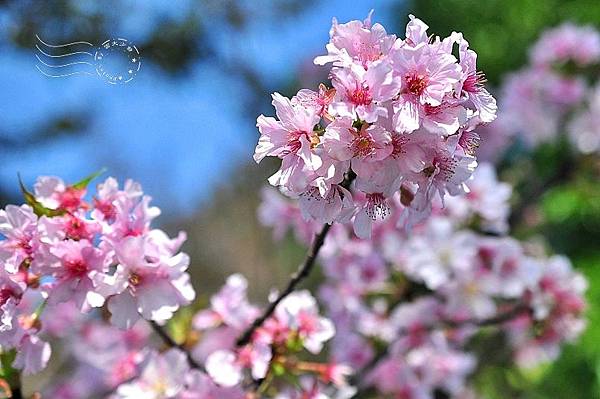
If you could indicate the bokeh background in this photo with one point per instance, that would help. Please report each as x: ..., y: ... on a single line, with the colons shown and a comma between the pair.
x: 184, y: 128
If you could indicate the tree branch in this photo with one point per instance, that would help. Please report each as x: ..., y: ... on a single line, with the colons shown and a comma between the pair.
x: 302, y: 272
x: 170, y: 342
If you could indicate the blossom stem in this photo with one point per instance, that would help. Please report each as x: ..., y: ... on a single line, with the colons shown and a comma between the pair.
x: 302, y: 273
x: 442, y: 324
x: 170, y: 342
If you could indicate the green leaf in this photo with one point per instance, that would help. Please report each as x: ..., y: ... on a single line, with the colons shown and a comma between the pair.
x: 7, y: 372
x: 38, y: 208
x: 294, y: 343
x: 534, y: 374
x: 80, y: 185
x: 358, y: 123
x: 179, y: 326
x: 278, y: 369
x: 6, y: 359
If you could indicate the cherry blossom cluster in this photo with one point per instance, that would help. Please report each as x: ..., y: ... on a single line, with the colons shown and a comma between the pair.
x: 60, y: 249
x: 278, y: 348
x: 557, y: 93
x: 400, y: 116
x: 424, y: 295
x: 411, y: 304
x: 109, y: 362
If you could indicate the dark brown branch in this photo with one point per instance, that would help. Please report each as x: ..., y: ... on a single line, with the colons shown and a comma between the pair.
x: 302, y: 272
x: 442, y: 324
x: 170, y: 342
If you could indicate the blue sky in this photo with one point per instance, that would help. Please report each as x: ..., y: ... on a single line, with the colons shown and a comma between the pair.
x: 179, y: 137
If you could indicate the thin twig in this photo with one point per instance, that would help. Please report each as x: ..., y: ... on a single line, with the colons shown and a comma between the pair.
x: 170, y: 342
x: 442, y: 324
x: 302, y: 272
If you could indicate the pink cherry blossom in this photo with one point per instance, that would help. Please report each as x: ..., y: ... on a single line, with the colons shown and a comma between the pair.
x: 144, y: 286
x: 78, y: 263
x: 318, y: 101
x: 472, y: 84
x: 163, y: 376
x: 53, y: 193
x: 229, y: 306
x: 584, y: 128
x: 18, y: 225
x: 580, y: 44
x: 299, y: 312
x: 289, y: 138
x: 358, y: 42
x: 343, y: 142
x: 33, y: 354
x: 226, y: 367
x: 427, y: 77
x: 360, y: 92
x: 201, y: 386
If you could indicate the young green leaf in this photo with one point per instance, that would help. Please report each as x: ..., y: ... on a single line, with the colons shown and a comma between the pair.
x: 82, y: 184
x: 38, y: 208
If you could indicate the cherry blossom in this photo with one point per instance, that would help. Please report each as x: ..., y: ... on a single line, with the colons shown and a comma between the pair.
x: 391, y: 118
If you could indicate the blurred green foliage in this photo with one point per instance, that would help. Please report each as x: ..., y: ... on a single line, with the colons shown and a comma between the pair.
x: 500, y: 30
x: 557, y: 195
